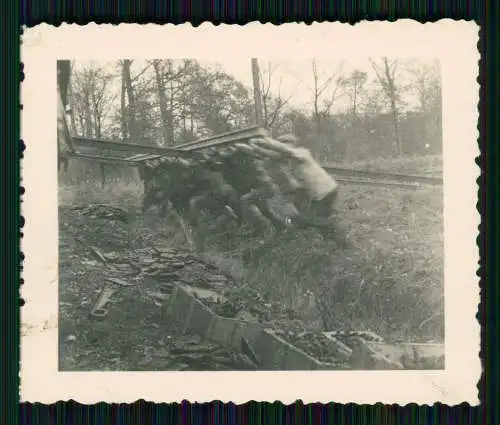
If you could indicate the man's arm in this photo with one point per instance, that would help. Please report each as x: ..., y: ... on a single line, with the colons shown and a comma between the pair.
x: 257, y: 151
x: 281, y: 149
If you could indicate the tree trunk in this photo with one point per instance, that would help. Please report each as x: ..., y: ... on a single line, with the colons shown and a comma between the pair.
x: 256, y: 92
x: 63, y: 77
x: 132, y: 124
x: 162, y: 100
x: 391, y: 88
x: 170, y: 115
x: 123, y: 106
x: 102, y: 168
x: 399, y: 146
x: 191, y: 119
x: 317, y: 121
x: 354, y: 129
x: 72, y: 112
x: 87, y: 114
x: 184, y: 111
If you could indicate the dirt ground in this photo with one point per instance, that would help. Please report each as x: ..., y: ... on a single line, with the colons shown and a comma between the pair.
x: 390, y: 279
x: 99, y: 249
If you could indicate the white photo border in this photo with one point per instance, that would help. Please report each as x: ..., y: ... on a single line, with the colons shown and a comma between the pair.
x: 453, y: 42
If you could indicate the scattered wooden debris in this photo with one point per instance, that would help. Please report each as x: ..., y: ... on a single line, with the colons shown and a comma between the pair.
x: 191, y: 310
x: 99, y: 309
x: 373, y: 355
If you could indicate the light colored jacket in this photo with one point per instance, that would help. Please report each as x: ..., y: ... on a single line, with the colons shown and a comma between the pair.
x: 299, y: 163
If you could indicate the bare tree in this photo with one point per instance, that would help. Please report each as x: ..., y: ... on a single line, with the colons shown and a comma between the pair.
x: 63, y: 81
x: 323, y: 92
x: 100, y: 101
x: 131, y: 115
x: 426, y: 83
x: 123, y: 105
x: 92, y: 98
x: 257, y: 92
x: 386, y: 76
x: 92, y: 101
x: 133, y: 130
x: 162, y: 100
x: 354, y: 87
x: 272, y: 103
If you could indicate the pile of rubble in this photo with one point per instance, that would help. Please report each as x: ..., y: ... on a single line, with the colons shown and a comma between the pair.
x: 103, y: 211
x: 190, y: 353
x: 245, y: 303
x: 154, y: 273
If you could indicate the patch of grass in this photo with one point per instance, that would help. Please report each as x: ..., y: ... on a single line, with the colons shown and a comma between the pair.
x: 416, y: 164
x: 124, y: 193
x: 390, y: 279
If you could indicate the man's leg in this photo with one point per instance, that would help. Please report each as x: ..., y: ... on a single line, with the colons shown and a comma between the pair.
x: 324, y: 217
x: 267, y: 212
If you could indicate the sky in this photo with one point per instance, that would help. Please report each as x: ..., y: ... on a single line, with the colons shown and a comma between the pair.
x: 293, y: 77
x: 296, y: 76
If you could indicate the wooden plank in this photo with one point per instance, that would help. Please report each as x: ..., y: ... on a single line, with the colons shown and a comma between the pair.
x: 187, y: 312
x: 278, y: 354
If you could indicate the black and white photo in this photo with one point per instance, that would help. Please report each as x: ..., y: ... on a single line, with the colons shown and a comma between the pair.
x: 270, y: 211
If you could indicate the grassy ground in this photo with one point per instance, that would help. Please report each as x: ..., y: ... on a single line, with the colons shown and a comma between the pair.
x: 428, y: 164
x: 390, y: 279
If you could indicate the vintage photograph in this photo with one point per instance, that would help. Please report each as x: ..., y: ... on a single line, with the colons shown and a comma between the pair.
x: 250, y: 215
x: 252, y: 212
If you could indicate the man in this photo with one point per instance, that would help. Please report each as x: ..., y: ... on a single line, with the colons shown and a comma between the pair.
x: 313, y: 190
x: 251, y: 181
x: 161, y: 181
x: 214, y: 193
x: 190, y: 186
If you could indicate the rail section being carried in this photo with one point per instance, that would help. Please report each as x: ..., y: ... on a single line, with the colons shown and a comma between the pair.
x: 133, y: 154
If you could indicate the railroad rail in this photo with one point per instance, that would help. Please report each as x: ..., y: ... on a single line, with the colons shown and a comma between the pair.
x: 134, y: 154
x: 345, y: 175
x: 137, y: 152
x: 383, y: 175
x: 224, y: 139
x: 381, y: 183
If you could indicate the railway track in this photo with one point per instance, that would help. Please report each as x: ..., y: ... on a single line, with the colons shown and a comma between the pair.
x: 351, y: 175
x: 237, y: 136
x: 134, y: 154
x: 381, y: 183
x: 344, y: 175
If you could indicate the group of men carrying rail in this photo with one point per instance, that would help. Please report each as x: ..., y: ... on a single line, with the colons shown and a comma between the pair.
x: 243, y: 180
